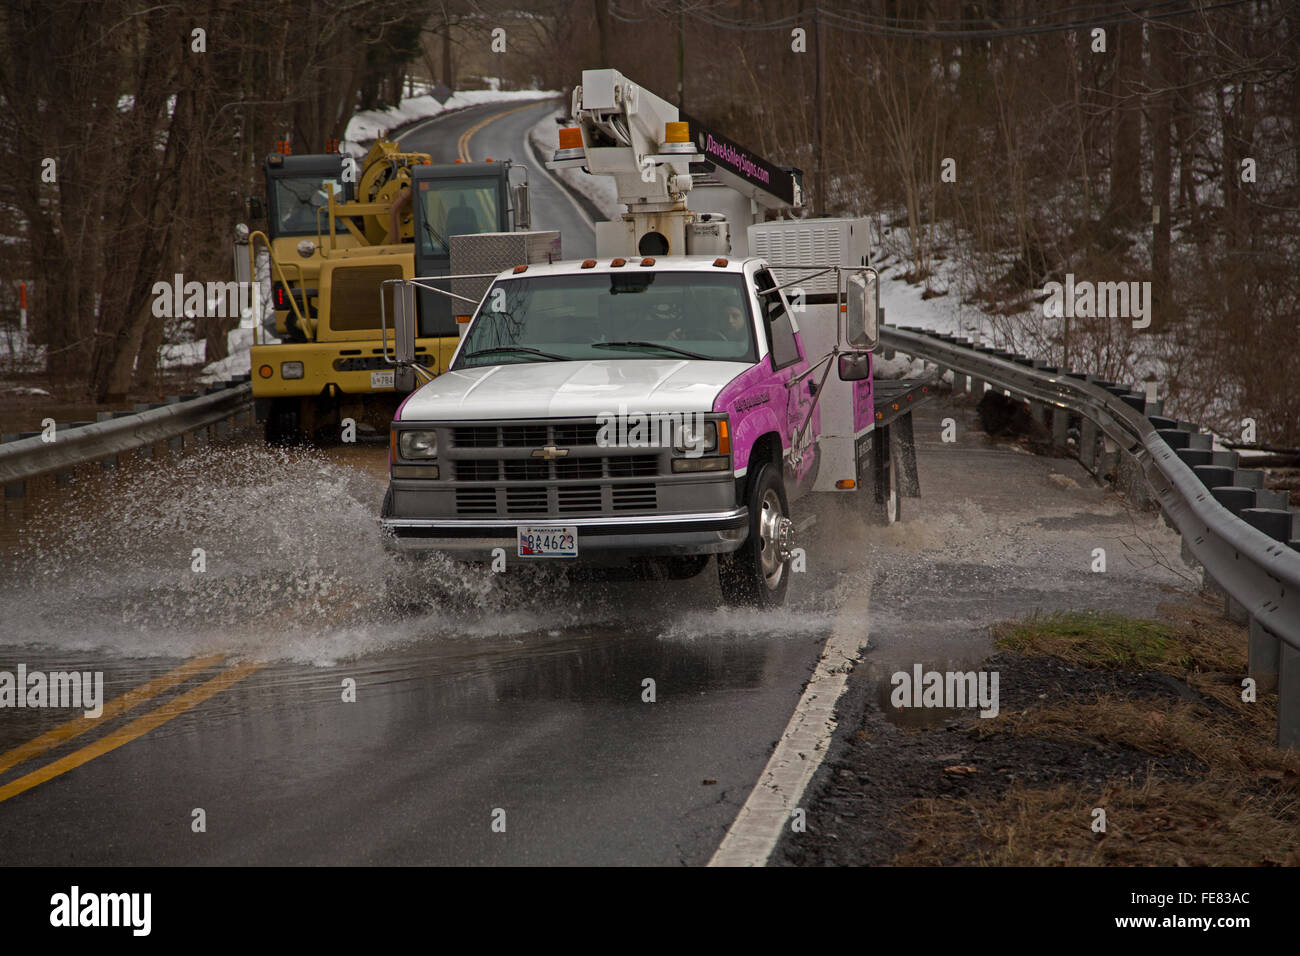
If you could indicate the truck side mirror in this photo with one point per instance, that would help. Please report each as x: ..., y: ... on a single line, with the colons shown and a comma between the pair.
x: 403, y: 322
x: 863, y: 294
x: 523, y: 212
x: 854, y: 367
x: 253, y: 208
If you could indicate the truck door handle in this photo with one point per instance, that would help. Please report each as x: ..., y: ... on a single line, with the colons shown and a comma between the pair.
x: 812, y: 387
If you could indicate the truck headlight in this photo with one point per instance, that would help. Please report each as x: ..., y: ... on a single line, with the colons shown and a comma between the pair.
x: 696, y: 438
x: 291, y: 370
x: 418, y: 444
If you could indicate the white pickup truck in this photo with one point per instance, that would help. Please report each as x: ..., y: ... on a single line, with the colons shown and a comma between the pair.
x: 648, y: 410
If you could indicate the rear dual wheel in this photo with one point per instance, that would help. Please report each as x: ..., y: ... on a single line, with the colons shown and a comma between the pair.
x: 882, y: 505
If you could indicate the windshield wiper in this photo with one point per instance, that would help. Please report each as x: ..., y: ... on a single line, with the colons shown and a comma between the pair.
x: 438, y: 242
x: 517, y: 348
x: 650, y: 345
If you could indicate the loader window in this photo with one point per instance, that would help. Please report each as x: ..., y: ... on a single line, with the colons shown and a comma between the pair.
x: 457, y: 207
x: 298, y: 198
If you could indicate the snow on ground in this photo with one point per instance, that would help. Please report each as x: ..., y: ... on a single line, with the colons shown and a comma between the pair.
x: 545, y: 140
x: 369, y: 125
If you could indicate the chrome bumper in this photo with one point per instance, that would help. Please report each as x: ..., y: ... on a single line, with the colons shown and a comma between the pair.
x: 604, y: 537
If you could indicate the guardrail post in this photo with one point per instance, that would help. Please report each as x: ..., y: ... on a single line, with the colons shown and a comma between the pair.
x: 1108, y: 460
x: 1060, y: 428
x: 1288, y: 696
x: 1262, y: 657
x: 1088, y: 444
x: 1130, y: 480
x: 977, y: 387
x: 1038, y: 412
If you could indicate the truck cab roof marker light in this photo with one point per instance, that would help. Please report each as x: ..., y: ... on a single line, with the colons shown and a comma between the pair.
x: 617, y: 263
x: 720, y: 262
x: 588, y: 263
x: 520, y: 268
x: 463, y: 319
x: 648, y: 261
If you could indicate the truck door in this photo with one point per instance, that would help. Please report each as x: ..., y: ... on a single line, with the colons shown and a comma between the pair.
x: 451, y: 201
x: 785, y: 352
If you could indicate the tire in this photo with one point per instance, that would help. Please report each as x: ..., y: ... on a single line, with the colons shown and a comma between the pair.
x: 282, y: 422
x: 757, y: 575
x: 883, y: 504
x: 684, y: 567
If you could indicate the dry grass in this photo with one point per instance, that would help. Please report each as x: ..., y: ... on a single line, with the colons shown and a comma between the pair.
x: 1159, y: 823
x: 1243, y: 808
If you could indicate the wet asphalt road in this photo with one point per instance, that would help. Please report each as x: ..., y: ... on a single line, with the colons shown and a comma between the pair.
x: 518, y: 699
x: 522, y: 694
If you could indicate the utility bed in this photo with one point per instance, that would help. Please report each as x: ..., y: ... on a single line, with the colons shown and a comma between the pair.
x: 896, y: 397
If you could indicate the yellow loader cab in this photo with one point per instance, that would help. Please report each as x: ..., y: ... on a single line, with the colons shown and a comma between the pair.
x: 389, y: 218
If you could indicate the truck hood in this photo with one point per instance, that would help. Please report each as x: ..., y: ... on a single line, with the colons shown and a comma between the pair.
x: 571, y: 389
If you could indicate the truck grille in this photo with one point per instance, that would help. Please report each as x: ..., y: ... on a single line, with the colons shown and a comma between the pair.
x: 564, y: 435
x: 538, y: 469
x: 588, y: 480
x: 560, y: 500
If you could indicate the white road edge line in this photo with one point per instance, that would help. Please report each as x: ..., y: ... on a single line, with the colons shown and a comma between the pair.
x: 802, y: 747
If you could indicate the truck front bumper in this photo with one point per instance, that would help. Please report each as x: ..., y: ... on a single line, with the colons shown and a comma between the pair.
x: 600, y: 539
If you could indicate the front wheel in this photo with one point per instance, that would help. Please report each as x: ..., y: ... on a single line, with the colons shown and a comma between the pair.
x: 758, y: 574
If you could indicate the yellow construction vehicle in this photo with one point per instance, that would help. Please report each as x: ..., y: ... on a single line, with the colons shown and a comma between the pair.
x: 336, y: 231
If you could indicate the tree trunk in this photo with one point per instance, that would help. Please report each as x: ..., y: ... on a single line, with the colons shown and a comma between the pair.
x: 1126, y: 146
x: 1160, y: 172
x: 602, y: 32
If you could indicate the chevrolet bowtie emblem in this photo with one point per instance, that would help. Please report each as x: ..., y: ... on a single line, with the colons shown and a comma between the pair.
x: 550, y: 452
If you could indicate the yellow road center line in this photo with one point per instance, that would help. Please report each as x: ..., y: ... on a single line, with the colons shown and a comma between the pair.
x: 462, y: 144
x: 137, y: 728
x: 116, y: 706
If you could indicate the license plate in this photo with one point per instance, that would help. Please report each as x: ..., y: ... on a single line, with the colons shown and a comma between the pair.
x: 548, y: 541
x: 381, y: 379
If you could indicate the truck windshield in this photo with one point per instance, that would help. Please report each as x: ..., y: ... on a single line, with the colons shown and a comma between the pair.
x: 637, y: 315
x: 456, y: 207
x: 296, y: 201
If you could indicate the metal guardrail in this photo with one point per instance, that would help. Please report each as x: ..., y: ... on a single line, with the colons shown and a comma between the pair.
x: 28, y: 457
x: 1119, y: 431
